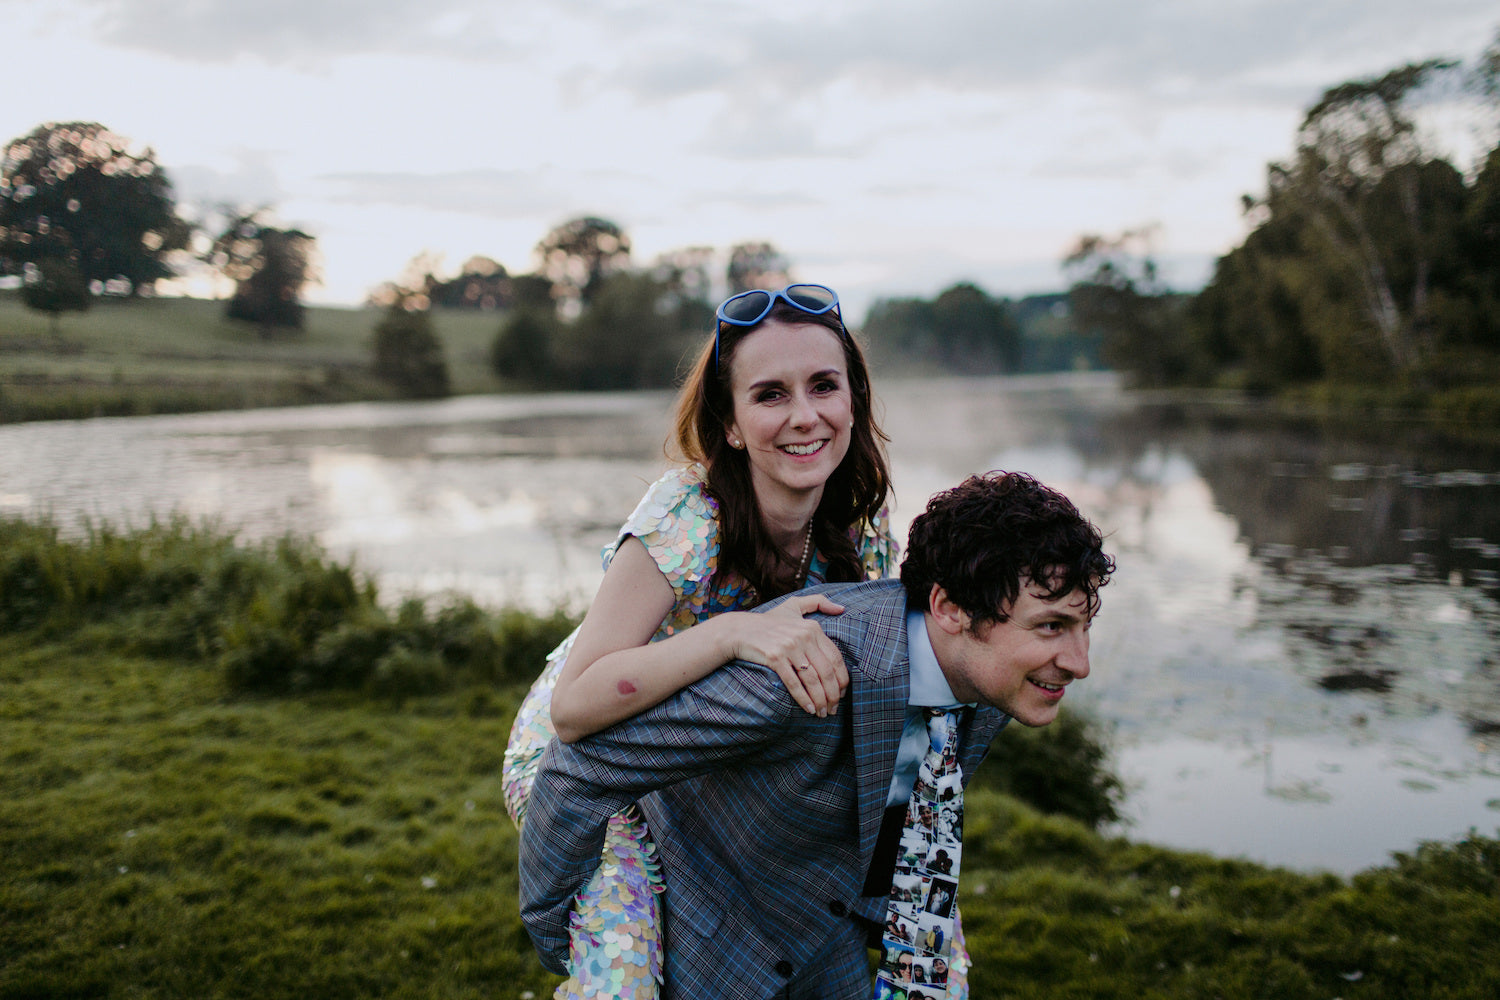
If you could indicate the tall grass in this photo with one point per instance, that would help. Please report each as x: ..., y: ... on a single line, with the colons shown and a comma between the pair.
x: 276, y: 617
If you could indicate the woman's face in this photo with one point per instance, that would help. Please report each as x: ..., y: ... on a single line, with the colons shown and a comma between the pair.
x: 792, y: 407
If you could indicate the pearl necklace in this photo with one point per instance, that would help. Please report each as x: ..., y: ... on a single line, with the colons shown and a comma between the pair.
x: 804, y: 563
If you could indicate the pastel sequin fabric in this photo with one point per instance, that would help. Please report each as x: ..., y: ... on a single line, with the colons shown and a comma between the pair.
x: 616, y: 921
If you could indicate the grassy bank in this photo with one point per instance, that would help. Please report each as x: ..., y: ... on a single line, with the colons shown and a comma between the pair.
x: 175, y: 825
x: 178, y: 355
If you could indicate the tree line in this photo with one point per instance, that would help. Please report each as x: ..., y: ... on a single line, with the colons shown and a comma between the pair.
x: 1372, y: 265
x: 86, y: 212
x: 1371, y: 269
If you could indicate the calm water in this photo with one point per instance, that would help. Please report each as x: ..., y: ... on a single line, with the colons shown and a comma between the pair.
x: 1299, y: 656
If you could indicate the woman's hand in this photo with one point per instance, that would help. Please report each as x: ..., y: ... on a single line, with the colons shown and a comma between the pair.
x: 805, y: 659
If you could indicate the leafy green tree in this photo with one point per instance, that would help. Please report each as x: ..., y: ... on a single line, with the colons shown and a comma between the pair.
x: 1380, y: 217
x: 962, y: 330
x: 900, y: 328
x: 54, y: 287
x: 270, y: 267
x: 482, y: 283
x: 1480, y: 241
x: 80, y: 193
x: 1371, y: 260
x: 633, y: 335
x: 408, y: 354
x: 1118, y: 292
x: 974, y: 331
x: 577, y: 256
x: 1248, y: 327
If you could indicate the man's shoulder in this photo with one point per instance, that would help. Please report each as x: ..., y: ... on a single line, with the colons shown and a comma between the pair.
x: 862, y: 596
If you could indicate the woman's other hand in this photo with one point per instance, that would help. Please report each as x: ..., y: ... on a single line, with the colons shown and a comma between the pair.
x: 805, y: 659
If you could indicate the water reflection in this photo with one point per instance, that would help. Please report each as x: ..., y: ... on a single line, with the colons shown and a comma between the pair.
x: 1298, y: 655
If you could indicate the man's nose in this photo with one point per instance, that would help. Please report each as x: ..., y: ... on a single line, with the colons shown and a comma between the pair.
x: 1074, y: 657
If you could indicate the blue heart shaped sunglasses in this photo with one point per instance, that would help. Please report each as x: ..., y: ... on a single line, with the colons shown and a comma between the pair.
x: 749, y: 308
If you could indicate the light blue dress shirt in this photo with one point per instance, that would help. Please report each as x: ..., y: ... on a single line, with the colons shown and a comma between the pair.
x: 929, y: 689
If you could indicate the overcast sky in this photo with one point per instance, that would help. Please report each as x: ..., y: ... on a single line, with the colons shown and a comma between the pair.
x: 888, y: 147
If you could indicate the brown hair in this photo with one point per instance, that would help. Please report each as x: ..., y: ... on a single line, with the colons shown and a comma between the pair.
x: 984, y: 538
x: 852, y: 497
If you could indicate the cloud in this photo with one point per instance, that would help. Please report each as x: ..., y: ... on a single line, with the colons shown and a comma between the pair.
x: 1163, y: 47
x: 660, y: 51
x: 493, y: 193
x: 252, y: 181
x: 309, y: 34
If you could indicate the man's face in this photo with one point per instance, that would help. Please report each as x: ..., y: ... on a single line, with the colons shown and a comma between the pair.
x: 1022, y: 665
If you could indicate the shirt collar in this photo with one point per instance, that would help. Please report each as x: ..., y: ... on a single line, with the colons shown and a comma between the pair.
x: 928, y: 685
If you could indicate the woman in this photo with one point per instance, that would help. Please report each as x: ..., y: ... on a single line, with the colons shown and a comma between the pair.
x: 785, y: 485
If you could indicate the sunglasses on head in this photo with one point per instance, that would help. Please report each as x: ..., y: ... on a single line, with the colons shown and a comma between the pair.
x: 749, y: 308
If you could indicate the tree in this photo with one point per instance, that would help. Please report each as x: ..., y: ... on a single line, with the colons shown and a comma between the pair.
x: 482, y: 283
x: 1118, y: 292
x: 975, y: 332
x: 1362, y: 179
x: 902, y: 328
x: 78, y: 192
x: 578, y: 255
x: 686, y: 287
x: 631, y: 336
x: 522, y: 351
x: 269, y: 266
x: 757, y: 265
x: 409, y: 355
x: 55, y: 286
x: 962, y: 330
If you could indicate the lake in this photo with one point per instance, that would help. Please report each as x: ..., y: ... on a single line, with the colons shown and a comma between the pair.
x: 1298, y: 659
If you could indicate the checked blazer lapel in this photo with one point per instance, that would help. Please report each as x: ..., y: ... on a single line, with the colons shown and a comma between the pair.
x: 878, y: 710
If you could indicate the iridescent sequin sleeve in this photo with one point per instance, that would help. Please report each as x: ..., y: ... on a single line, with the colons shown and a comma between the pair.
x: 877, y: 547
x: 678, y: 524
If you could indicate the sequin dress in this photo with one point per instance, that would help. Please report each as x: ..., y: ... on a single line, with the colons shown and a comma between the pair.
x: 616, y: 919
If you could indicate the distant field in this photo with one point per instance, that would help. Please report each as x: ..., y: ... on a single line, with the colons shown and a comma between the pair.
x: 167, y: 355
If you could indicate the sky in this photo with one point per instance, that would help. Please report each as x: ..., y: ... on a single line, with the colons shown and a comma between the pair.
x: 886, y: 147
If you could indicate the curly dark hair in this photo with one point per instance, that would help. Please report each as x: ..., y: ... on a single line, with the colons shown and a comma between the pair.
x: 982, y: 539
x: 853, y: 496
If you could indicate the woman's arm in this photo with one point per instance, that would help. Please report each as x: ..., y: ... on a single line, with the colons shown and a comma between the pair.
x: 615, y: 671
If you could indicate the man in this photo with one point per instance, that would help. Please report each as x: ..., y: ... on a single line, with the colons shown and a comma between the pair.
x: 775, y: 827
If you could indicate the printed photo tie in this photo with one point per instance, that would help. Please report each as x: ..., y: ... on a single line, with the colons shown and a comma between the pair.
x: 924, y: 892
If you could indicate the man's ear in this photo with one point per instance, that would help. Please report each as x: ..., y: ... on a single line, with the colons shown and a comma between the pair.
x: 946, y: 615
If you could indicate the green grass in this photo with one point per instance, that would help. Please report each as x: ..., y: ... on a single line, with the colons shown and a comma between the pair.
x: 169, y: 830
x: 173, y: 355
x: 162, y: 840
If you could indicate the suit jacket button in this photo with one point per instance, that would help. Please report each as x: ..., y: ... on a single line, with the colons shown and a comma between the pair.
x: 838, y: 909
x: 783, y: 968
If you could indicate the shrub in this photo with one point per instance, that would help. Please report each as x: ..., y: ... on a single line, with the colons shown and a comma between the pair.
x: 1060, y: 769
x: 522, y: 351
x: 409, y: 355
x: 275, y: 618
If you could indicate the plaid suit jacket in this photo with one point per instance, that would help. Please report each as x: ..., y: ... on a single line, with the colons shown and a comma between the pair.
x: 765, y: 817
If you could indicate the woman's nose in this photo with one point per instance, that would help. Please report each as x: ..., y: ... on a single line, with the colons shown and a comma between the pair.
x: 804, y: 414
